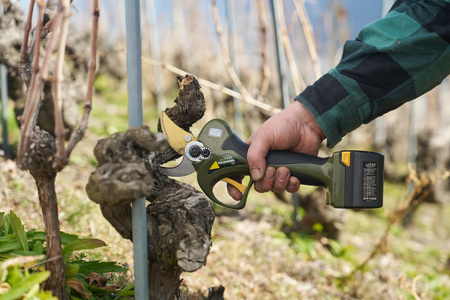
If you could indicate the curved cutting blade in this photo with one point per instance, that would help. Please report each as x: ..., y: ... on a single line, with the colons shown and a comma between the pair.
x: 177, y: 137
x: 183, y: 169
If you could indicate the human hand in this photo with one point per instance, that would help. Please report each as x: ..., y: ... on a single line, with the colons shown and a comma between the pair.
x: 293, y: 129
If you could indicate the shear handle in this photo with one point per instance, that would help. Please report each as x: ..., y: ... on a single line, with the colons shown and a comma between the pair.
x: 307, y: 168
x: 209, y: 180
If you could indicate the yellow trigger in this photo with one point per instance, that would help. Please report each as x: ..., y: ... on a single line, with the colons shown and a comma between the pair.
x: 236, y: 184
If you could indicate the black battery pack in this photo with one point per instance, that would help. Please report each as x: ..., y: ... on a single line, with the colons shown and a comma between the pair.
x: 363, y: 179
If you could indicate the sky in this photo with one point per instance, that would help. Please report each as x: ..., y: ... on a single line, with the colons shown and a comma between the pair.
x: 360, y: 12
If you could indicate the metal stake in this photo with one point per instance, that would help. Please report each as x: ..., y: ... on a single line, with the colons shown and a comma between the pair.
x: 4, y: 100
x: 4, y: 96
x: 229, y: 9
x: 280, y: 55
x: 134, y: 71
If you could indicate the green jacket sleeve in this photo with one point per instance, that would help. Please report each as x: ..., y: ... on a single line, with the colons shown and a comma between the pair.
x: 392, y: 61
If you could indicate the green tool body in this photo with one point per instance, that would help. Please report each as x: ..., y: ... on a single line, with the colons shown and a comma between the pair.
x: 354, y: 179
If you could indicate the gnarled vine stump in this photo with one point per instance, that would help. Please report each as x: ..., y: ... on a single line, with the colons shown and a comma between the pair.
x: 179, y: 218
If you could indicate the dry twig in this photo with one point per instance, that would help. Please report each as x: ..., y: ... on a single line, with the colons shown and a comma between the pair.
x: 229, y: 66
x: 31, y: 105
x: 264, y: 51
x: 299, y: 83
x: 60, y: 157
x: 309, y: 36
x: 25, y: 69
x: 78, y: 134
x: 414, y: 288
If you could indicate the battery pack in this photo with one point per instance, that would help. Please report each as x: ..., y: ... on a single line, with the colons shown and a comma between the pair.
x: 357, y: 179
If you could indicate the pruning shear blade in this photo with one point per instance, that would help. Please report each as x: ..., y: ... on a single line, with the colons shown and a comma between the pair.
x: 183, y: 169
x: 177, y: 137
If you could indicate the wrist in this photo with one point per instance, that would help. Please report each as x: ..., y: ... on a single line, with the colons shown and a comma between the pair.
x: 308, y: 119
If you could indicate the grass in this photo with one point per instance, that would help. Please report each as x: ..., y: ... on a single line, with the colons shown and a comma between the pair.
x: 251, y: 255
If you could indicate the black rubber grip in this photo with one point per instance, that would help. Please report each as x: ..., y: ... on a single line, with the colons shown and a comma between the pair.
x: 274, y: 157
x: 280, y: 158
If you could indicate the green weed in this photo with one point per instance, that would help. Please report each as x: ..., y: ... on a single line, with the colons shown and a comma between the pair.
x: 22, y: 254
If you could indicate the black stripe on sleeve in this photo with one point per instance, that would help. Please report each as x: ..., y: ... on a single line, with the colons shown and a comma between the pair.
x: 377, y: 75
x: 441, y: 24
x: 326, y: 92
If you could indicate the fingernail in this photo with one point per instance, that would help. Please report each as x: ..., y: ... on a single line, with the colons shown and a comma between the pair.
x: 282, y: 175
x: 256, y: 174
x: 292, y: 184
x: 270, y: 173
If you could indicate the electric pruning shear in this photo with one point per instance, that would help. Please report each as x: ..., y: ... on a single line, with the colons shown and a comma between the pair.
x: 354, y: 179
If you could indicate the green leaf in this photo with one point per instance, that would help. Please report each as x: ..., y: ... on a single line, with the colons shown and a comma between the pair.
x: 21, y: 252
x: 6, y: 247
x: 31, y: 294
x: 2, y: 224
x: 336, y: 248
x: 36, y: 235
x: 46, y: 295
x: 318, y: 227
x: 67, y: 238
x: 8, y: 229
x: 19, y: 230
x: 38, y: 247
x: 8, y: 238
x: 126, y: 291
x: 81, y: 244
x: 14, y: 275
x: 71, y: 270
x: 25, y: 285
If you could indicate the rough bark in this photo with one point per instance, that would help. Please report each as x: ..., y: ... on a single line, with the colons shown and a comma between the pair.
x: 179, y: 218
x: 39, y: 163
x: 47, y: 199
x: 190, y: 103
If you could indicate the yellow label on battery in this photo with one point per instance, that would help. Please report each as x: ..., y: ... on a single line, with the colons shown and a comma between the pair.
x: 345, y: 158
